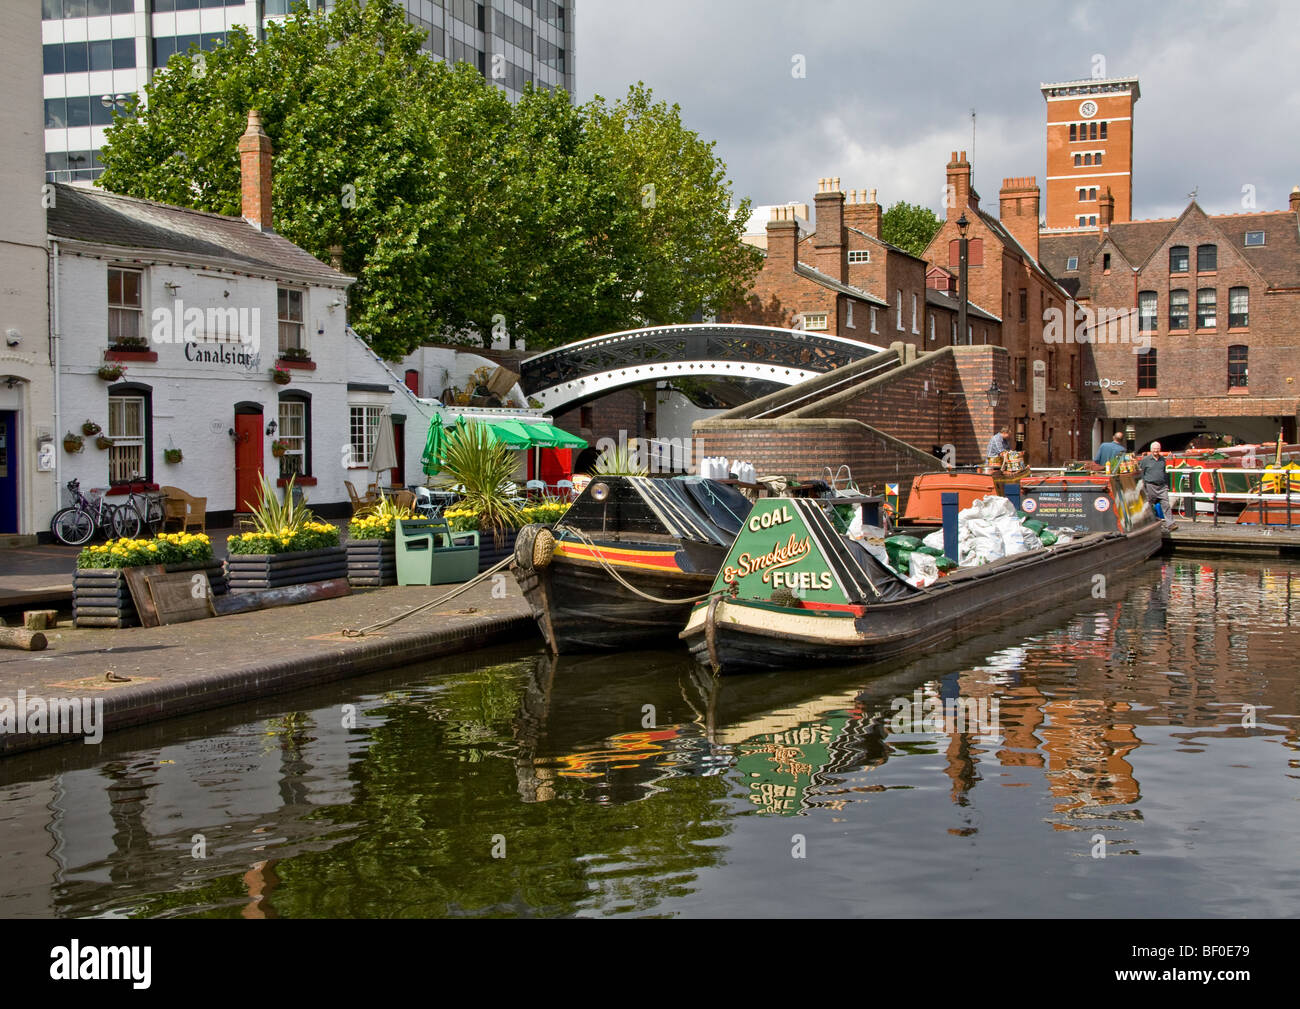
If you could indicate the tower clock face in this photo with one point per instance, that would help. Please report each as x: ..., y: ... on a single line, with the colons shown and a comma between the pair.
x: 1088, y: 110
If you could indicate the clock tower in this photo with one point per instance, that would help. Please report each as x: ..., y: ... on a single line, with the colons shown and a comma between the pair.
x: 1089, y: 150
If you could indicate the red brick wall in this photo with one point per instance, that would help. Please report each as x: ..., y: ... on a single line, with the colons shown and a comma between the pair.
x: 623, y: 410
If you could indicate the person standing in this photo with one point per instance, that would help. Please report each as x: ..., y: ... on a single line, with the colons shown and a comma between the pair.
x: 1113, y: 449
x: 999, y: 443
x: 1155, y: 482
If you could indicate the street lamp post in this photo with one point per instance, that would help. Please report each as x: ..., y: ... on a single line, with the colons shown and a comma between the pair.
x: 962, y: 293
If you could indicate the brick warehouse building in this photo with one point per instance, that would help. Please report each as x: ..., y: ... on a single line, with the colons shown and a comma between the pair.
x: 1218, y: 299
x: 1089, y: 149
x: 1005, y: 274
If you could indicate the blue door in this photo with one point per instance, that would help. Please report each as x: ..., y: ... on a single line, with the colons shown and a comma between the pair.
x: 8, y: 472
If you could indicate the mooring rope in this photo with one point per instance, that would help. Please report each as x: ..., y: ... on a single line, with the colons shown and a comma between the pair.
x: 360, y: 632
x: 624, y: 582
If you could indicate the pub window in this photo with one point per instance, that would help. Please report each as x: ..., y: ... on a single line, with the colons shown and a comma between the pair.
x: 1239, y: 307
x: 1146, y: 365
x: 289, y: 315
x: 1178, y: 258
x: 126, y: 427
x: 814, y: 320
x: 1207, y: 258
x: 1206, y: 305
x: 363, y: 427
x: 124, y: 308
x: 1178, y: 302
x: 1051, y: 368
x: 1238, y: 372
x: 295, y: 416
x: 1148, y: 310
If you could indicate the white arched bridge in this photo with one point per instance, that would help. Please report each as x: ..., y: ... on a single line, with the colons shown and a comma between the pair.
x: 585, y: 369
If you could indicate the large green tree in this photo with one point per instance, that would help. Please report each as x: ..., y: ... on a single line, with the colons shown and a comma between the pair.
x: 910, y: 226
x: 460, y: 213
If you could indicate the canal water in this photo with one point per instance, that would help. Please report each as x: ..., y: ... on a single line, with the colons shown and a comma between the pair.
x: 1128, y: 755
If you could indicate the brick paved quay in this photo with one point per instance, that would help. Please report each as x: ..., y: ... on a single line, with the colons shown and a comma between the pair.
x: 184, y: 668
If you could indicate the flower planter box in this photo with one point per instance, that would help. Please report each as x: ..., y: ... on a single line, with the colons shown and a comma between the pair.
x: 488, y: 554
x: 100, y: 597
x: 372, y: 562
x: 258, y: 572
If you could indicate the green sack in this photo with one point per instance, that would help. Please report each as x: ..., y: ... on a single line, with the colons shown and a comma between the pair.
x: 932, y: 551
x: 904, y: 542
x: 945, y: 563
x: 1034, y: 525
x: 1047, y: 537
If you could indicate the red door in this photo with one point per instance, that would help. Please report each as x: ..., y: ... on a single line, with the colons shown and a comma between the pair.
x: 398, y: 472
x: 248, y: 460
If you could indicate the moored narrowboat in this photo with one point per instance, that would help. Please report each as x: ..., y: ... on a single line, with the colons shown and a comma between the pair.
x: 794, y: 592
x: 623, y: 566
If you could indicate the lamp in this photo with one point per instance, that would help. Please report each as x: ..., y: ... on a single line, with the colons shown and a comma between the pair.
x: 172, y: 286
x: 963, y: 290
x: 231, y: 432
x: 994, y: 394
x: 270, y: 428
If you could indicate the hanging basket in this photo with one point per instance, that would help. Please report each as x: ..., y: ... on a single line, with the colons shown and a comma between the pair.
x: 280, y: 376
x: 90, y: 429
x: 104, y: 442
x: 111, y: 372
x: 72, y: 443
x: 278, y: 448
x: 172, y: 455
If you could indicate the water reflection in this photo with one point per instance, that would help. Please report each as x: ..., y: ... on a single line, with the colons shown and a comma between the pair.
x: 518, y: 784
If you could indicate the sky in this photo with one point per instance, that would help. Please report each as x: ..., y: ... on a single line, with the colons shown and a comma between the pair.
x: 888, y: 90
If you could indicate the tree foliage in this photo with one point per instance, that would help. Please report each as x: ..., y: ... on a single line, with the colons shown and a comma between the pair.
x: 458, y: 212
x: 910, y: 226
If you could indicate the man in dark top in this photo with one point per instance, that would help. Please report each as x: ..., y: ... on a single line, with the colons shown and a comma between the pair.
x: 1111, y: 450
x: 1155, y: 482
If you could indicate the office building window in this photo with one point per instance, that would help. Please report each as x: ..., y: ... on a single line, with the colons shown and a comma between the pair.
x: 1178, y: 259
x: 1146, y: 366
x: 1178, y: 302
x: 1096, y: 158
x: 1239, y: 307
x: 1207, y: 258
x: 1238, y: 372
x: 1074, y: 131
x: 1206, y: 304
x: 1103, y: 131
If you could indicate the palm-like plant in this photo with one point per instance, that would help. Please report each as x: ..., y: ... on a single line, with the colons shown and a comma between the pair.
x: 484, y: 468
x: 273, y: 516
x: 619, y: 461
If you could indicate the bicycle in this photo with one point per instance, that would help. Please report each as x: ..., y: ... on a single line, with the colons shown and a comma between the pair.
x: 77, y: 525
x: 131, y: 515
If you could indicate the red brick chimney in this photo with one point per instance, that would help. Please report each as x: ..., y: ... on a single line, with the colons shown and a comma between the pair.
x: 862, y: 212
x: 1295, y: 199
x: 782, y: 240
x: 1019, y: 211
x: 828, y: 242
x: 255, y: 173
x: 958, y: 197
x: 1106, y: 210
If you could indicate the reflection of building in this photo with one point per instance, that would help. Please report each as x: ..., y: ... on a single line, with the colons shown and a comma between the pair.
x: 97, y: 52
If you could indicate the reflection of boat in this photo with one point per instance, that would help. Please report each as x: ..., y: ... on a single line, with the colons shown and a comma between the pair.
x: 793, y: 592
x: 628, y: 557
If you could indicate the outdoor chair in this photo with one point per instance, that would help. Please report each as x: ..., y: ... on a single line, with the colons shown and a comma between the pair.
x: 359, y: 503
x: 535, y: 488
x: 184, y: 509
x: 564, y: 489
x: 404, y: 499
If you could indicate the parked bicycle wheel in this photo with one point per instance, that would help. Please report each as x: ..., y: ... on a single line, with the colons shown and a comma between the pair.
x: 125, y: 521
x: 73, y: 526
x: 153, y: 513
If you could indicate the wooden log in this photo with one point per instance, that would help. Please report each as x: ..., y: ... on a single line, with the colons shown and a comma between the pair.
x: 290, y: 595
x: 22, y: 638
x: 40, y: 620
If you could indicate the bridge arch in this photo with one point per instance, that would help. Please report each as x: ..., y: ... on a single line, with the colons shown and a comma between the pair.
x: 593, y: 367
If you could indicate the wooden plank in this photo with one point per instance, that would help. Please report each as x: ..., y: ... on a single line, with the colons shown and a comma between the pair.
x: 137, y: 580
x: 290, y: 595
x: 175, y: 599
